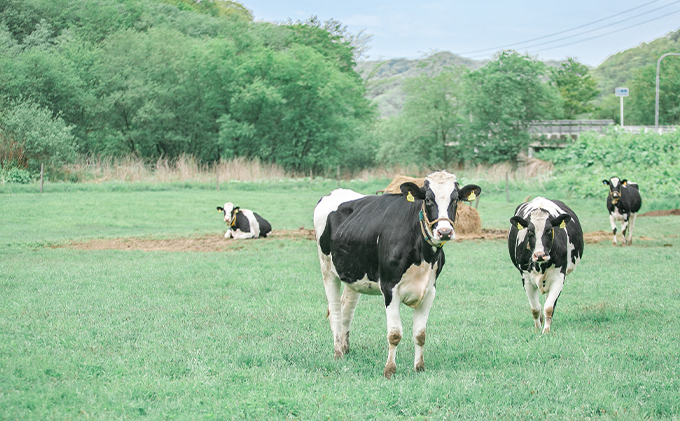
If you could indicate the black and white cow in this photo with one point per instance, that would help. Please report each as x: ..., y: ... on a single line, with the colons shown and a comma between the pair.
x: 545, y: 244
x: 389, y: 245
x: 623, y: 203
x: 243, y: 223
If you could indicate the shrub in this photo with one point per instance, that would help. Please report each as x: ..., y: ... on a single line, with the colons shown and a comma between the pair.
x: 17, y: 175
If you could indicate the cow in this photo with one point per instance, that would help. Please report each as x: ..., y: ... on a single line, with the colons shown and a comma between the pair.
x: 243, y: 223
x: 545, y: 244
x: 389, y: 245
x: 623, y: 203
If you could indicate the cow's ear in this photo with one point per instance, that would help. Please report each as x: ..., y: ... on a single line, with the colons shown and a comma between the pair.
x: 235, y: 210
x: 605, y: 182
x: 519, y: 222
x: 412, y: 191
x: 624, y: 182
x: 561, y: 221
x: 469, y: 193
x: 220, y: 209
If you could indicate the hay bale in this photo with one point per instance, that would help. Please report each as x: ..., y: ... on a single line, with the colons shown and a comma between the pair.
x: 467, y: 220
x: 394, y: 185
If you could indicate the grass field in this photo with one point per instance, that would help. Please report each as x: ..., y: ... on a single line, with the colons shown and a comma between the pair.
x: 242, y: 334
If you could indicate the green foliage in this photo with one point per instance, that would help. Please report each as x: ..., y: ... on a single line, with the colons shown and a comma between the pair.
x: 30, y: 135
x: 577, y: 87
x: 505, y: 96
x: 649, y: 159
x: 165, y: 78
x: 15, y: 175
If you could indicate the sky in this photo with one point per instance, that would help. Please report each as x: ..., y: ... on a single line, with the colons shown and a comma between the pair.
x: 589, y: 30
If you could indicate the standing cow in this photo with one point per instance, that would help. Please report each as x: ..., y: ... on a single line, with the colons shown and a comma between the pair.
x: 623, y: 203
x: 243, y: 223
x: 389, y: 245
x: 545, y: 244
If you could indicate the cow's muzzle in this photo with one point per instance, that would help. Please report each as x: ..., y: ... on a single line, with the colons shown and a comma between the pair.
x: 539, y: 256
x: 445, y: 233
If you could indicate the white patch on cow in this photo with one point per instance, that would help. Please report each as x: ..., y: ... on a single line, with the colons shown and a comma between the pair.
x: 415, y: 283
x: 521, y: 235
x: 228, y: 207
x: 614, y: 181
x: 539, y: 218
x: 540, y: 203
x: 442, y: 185
x: 330, y: 204
x: 252, y: 221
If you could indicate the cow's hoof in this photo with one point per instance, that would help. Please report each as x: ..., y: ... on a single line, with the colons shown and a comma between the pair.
x: 337, y: 355
x: 420, y: 367
x: 546, y: 330
x: 389, y: 370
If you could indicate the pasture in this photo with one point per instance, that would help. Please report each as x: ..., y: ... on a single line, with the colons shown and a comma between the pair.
x: 242, y: 333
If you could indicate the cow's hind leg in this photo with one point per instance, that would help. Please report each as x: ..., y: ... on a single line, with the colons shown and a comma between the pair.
x: 631, y: 225
x: 349, y: 301
x: 420, y: 316
x: 394, y: 334
x: 534, y: 301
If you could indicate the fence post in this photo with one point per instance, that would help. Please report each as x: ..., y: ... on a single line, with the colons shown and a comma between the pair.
x: 41, y: 178
x: 217, y: 175
x: 337, y: 175
x: 507, y: 190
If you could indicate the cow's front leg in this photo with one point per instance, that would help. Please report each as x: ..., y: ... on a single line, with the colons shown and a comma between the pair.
x: 349, y: 301
x: 420, y: 316
x: 550, y: 302
x: 624, y: 229
x: 332, y: 286
x: 240, y: 235
x: 394, y: 330
x: 534, y: 301
x: 228, y: 233
x: 612, y: 221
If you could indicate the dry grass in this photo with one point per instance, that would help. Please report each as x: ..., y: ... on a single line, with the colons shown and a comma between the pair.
x: 184, y: 168
x: 531, y: 169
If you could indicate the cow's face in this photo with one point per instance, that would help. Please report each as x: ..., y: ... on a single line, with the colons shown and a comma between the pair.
x: 228, y: 211
x: 535, y: 236
x: 439, y: 197
x: 615, y: 187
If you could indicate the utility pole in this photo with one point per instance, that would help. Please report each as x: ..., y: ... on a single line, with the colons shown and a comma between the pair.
x: 656, y: 109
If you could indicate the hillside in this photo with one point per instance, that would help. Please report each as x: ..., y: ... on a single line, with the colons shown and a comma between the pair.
x: 385, y: 77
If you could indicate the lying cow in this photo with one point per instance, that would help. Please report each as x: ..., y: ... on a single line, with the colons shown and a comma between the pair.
x: 545, y: 244
x: 623, y: 203
x: 243, y: 223
x: 389, y: 245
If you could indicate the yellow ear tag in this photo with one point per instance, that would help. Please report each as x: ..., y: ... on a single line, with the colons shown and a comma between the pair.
x: 519, y: 226
x: 625, y: 183
x: 409, y: 197
x: 563, y: 225
x: 236, y: 211
x: 472, y: 197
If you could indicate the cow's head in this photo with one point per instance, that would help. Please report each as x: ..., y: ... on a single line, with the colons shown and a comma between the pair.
x: 615, y: 187
x: 439, y: 199
x: 535, y: 236
x: 229, y: 212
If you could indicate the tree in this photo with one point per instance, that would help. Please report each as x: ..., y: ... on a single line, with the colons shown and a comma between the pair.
x: 431, y: 120
x: 506, y: 95
x: 577, y: 87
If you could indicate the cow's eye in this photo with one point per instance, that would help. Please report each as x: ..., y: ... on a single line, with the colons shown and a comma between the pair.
x: 428, y: 201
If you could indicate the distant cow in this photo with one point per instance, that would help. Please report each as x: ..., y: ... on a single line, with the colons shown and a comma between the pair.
x: 243, y: 223
x: 545, y: 244
x: 389, y: 245
x: 623, y: 203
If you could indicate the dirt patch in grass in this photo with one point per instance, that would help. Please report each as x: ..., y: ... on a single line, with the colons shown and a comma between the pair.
x: 217, y: 242
x: 662, y: 213
x: 199, y: 243
x: 598, y: 236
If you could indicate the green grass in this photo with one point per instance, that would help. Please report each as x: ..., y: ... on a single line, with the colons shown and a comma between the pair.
x: 243, y: 334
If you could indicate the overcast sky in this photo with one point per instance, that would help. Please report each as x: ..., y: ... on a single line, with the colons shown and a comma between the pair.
x: 476, y: 29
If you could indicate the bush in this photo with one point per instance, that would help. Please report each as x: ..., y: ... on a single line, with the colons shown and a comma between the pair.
x: 17, y: 175
x: 649, y: 159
